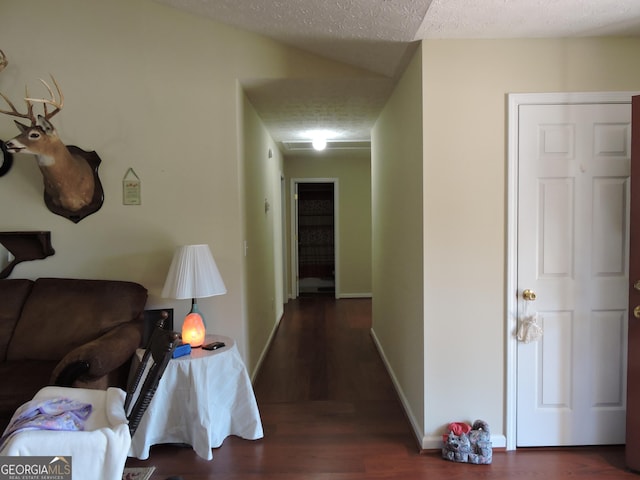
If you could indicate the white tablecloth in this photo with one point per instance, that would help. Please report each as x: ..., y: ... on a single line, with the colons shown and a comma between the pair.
x: 202, y: 398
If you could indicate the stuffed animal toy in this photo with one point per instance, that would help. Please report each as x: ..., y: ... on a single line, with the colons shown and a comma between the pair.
x: 466, y: 444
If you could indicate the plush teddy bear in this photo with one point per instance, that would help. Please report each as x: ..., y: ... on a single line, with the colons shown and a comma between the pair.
x: 468, y: 445
x: 457, y: 448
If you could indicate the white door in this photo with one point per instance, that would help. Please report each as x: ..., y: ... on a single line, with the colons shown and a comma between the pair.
x: 295, y: 284
x: 573, y: 230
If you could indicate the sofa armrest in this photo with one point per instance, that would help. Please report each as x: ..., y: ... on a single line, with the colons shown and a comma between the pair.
x: 71, y: 372
x: 102, y: 355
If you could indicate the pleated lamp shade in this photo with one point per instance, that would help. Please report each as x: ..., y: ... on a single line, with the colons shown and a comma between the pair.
x: 193, y: 274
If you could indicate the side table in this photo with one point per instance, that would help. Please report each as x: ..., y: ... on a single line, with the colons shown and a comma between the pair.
x: 202, y: 398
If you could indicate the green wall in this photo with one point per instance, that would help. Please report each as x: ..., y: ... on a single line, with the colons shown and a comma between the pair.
x: 353, y: 172
x: 397, y: 177
x: 157, y: 90
x: 465, y: 87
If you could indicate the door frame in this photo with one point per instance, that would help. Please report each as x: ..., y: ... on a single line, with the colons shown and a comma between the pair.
x: 514, y: 101
x: 283, y: 232
x: 295, y: 284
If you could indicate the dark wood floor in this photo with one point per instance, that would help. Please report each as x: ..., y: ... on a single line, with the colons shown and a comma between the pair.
x: 329, y: 411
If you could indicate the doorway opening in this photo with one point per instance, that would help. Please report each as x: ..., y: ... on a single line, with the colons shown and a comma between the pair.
x: 316, y: 238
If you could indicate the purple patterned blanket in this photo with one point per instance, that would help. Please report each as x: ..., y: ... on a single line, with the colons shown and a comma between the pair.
x: 51, y: 414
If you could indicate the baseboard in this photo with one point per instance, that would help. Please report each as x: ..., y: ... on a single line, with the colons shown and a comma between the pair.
x: 354, y: 295
x: 266, y: 348
x: 344, y: 295
x: 425, y: 442
x: 432, y: 442
x: 417, y: 428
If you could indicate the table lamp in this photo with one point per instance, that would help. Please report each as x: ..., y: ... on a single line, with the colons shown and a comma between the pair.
x: 193, y: 274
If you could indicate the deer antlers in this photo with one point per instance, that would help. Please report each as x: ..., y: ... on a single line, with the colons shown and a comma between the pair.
x: 3, y: 60
x: 29, y: 115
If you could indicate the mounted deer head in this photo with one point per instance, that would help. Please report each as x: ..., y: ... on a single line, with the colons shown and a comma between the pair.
x: 6, y: 159
x: 3, y: 60
x: 70, y: 175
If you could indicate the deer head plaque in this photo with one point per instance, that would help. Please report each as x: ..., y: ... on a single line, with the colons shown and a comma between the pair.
x: 6, y: 159
x: 3, y: 60
x: 72, y: 188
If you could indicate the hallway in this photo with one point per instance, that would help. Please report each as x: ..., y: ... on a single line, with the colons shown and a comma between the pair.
x: 324, y: 390
x: 329, y: 411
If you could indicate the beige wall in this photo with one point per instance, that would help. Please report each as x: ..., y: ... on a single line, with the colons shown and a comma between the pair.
x: 396, y: 171
x: 465, y: 84
x: 353, y: 172
x: 260, y: 196
x: 154, y: 89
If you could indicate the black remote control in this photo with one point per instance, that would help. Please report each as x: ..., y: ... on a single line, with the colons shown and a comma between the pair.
x: 213, y: 346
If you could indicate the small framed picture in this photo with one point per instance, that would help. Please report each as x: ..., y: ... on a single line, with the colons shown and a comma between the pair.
x: 131, y: 186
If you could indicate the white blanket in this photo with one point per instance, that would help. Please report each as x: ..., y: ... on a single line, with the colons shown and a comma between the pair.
x: 97, y: 453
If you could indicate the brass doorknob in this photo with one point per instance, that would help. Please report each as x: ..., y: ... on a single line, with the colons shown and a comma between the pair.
x: 636, y: 312
x: 529, y: 295
x: 637, y: 285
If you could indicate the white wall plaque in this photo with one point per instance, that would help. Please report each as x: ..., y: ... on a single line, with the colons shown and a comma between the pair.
x: 131, y: 185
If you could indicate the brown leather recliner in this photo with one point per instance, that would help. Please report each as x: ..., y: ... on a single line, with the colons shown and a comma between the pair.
x: 71, y: 332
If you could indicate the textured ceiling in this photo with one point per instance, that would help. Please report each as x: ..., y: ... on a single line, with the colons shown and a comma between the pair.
x: 372, y: 34
x: 379, y: 36
x: 295, y: 108
x: 530, y: 18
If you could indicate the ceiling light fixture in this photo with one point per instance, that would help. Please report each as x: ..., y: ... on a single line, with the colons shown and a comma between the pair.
x: 319, y: 144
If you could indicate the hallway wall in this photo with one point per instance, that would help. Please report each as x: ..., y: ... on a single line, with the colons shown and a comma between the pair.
x: 397, y: 229
x: 263, y: 275
x: 353, y: 171
x: 465, y: 85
